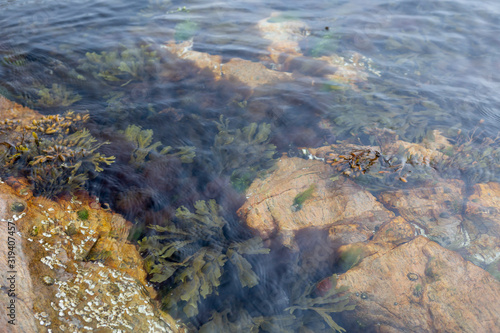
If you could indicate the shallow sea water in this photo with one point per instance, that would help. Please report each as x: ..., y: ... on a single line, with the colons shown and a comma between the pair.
x: 438, y: 65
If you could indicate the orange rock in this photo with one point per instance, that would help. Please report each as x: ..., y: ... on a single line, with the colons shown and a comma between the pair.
x: 253, y: 74
x: 284, y: 36
x: 77, y: 270
x: 420, y: 286
x: 482, y: 222
x: 435, y: 208
x: 270, y: 206
x: 11, y: 110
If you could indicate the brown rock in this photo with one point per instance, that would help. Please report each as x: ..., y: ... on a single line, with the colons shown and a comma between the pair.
x: 395, y: 231
x: 202, y: 60
x: 84, y: 271
x: 284, y: 36
x: 483, y: 207
x: 253, y: 74
x: 435, y: 209
x: 19, y: 290
x: 271, y: 209
x: 420, y: 286
x: 11, y: 110
x: 482, y: 223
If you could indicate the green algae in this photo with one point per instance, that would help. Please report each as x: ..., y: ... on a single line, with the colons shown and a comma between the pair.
x: 56, y: 96
x: 145, y: 148
x: 300, y: 198
x: 83, y: 214
x: 122, y: 66
x: 185, y: 30
x: 243, y: 153
x: 350, y: 258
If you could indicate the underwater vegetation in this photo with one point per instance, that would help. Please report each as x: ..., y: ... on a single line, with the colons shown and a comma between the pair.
x: 185, y: 30
x: 58, y: 95
x: 191, y: 252
x: 311, y: 308
x: 243, y: 153
x: 299, y: 200
x: 472, y: 158
x: 121, y: 67
x: 314, y: 298
x: 145, y: 148
x: 55, y: 153
x: 405, y: 112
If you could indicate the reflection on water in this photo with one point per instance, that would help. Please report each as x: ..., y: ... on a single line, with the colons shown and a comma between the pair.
x: 199, y: 99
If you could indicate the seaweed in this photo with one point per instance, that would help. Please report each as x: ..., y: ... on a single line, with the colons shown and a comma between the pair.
x: 333, y: 300
x: 83, y: 214
x: 191, y: 253
x: 55, y: 153
x: 299, y: 200
x: 307, y: 303
x: 243, y: 153
x: 185, y: 30
x: 56, y: 96
x: 242, y: 321
x: 145, y: 148
x: 122, y: 66
x: 473, y: 159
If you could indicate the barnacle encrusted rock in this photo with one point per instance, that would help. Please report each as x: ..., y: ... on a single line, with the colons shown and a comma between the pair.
x: 91, y: 279
x: 269, y: 208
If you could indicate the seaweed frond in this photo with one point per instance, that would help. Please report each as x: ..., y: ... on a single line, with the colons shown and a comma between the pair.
x: 122, y: 66
x: 145, y: 148
x: 243, y: 153
x: 191, y: 253
x: 58, y: 95
x: 333, y: 300
x: 55, y: 153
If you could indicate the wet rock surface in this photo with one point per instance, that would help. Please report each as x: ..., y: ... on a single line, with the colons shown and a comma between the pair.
x: 407, y: 256
x: 76, y: 269
x: 482, y: 222
x: 283, y: 58
x: 253, y: 74
x: 436, y: 209
x: 11, y: 110
x: 272, y: 207
x: 420, y: 286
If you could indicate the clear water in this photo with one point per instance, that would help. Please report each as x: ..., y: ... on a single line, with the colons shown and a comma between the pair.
x: 439, y: 65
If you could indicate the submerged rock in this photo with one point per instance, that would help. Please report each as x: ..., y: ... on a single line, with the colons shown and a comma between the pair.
x: 420, y: 286
x: 435, y: 209
x: 283, y: 58
x: 482, y: 221
x: 253, y: 74
x: 272, y: 208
